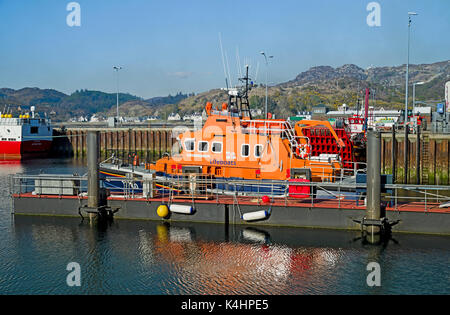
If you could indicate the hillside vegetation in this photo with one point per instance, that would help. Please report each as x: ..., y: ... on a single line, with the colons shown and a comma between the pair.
x: 342, y: 85
x: 322, y: 84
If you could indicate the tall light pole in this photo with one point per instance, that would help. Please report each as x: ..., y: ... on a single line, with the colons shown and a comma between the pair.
x: 406, y: 157
x: 407, y: 67
x: 267, y: 76
x: 117, y: 68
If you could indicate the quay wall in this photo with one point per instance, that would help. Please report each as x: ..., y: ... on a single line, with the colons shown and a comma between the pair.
x: 428, y: 158
x: 148, y: 143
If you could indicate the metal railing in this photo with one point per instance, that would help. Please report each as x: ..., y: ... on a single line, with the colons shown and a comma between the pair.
x: 193, y: 187
x: 14, y: 121
x: 48, y: 184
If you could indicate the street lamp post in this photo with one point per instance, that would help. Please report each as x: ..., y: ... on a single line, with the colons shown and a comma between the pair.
x: 117, y: 68
x: 406, y: 102
x: 267, y: 77
x: 407, y: 67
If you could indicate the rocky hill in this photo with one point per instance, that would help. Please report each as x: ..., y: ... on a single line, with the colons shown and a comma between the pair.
x: 327, y: 73
x: 336, y: 86
x: 321, y: 84
x: 388, y: 76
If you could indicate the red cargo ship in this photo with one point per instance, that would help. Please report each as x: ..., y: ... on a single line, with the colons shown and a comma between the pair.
x: 24, y: 136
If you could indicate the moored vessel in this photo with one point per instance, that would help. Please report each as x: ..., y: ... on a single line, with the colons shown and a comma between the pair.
x: 233, y: 146
x: 24, y: 136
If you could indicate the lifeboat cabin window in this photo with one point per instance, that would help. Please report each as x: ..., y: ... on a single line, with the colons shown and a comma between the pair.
x: 216, y: 147
x: 258, y: 150
x: 189, y: 145
x: 245, y: 150
x: 203, y: 146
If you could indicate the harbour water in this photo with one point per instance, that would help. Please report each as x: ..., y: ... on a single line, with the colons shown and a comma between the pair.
x: 143, y: 257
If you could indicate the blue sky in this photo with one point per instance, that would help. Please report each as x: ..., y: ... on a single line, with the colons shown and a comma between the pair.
x: 170, y: 46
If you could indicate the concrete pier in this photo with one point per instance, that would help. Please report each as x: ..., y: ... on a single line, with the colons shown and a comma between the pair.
x: 330, y: 216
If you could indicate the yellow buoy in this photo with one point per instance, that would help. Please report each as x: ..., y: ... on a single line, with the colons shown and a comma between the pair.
x: 162, y: 211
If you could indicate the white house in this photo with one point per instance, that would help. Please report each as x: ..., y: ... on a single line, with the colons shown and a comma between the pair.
x: 94, y: 118
x: 194, y: 116
x: 174, y: 116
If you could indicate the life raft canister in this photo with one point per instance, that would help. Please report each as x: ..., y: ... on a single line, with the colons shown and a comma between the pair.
x: 136, y: 160
x: 303, y: 151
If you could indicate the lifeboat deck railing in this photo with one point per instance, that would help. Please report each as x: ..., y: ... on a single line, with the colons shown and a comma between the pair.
x: 282, y: 128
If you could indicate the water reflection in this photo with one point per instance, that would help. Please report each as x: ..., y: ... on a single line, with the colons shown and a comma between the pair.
x: 139, y: 257
x: 222, y: 267
x: 10, y: 167
x: 48, y: 166
x: 186, y: 258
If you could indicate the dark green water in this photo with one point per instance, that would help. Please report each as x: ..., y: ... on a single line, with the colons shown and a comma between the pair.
x: 141, y: 257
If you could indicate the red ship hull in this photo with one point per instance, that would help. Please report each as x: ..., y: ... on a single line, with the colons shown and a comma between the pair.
x: 18, y: 150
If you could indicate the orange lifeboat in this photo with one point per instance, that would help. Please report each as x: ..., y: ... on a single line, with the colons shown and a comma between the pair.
x: 233, y: 145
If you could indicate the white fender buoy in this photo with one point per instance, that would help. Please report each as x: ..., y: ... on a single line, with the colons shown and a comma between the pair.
x: 181, y: 209
x: 445, y: 205
x: 257, y: 215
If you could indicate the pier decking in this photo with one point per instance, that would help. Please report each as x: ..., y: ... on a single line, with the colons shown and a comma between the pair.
x: 415, y: 217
